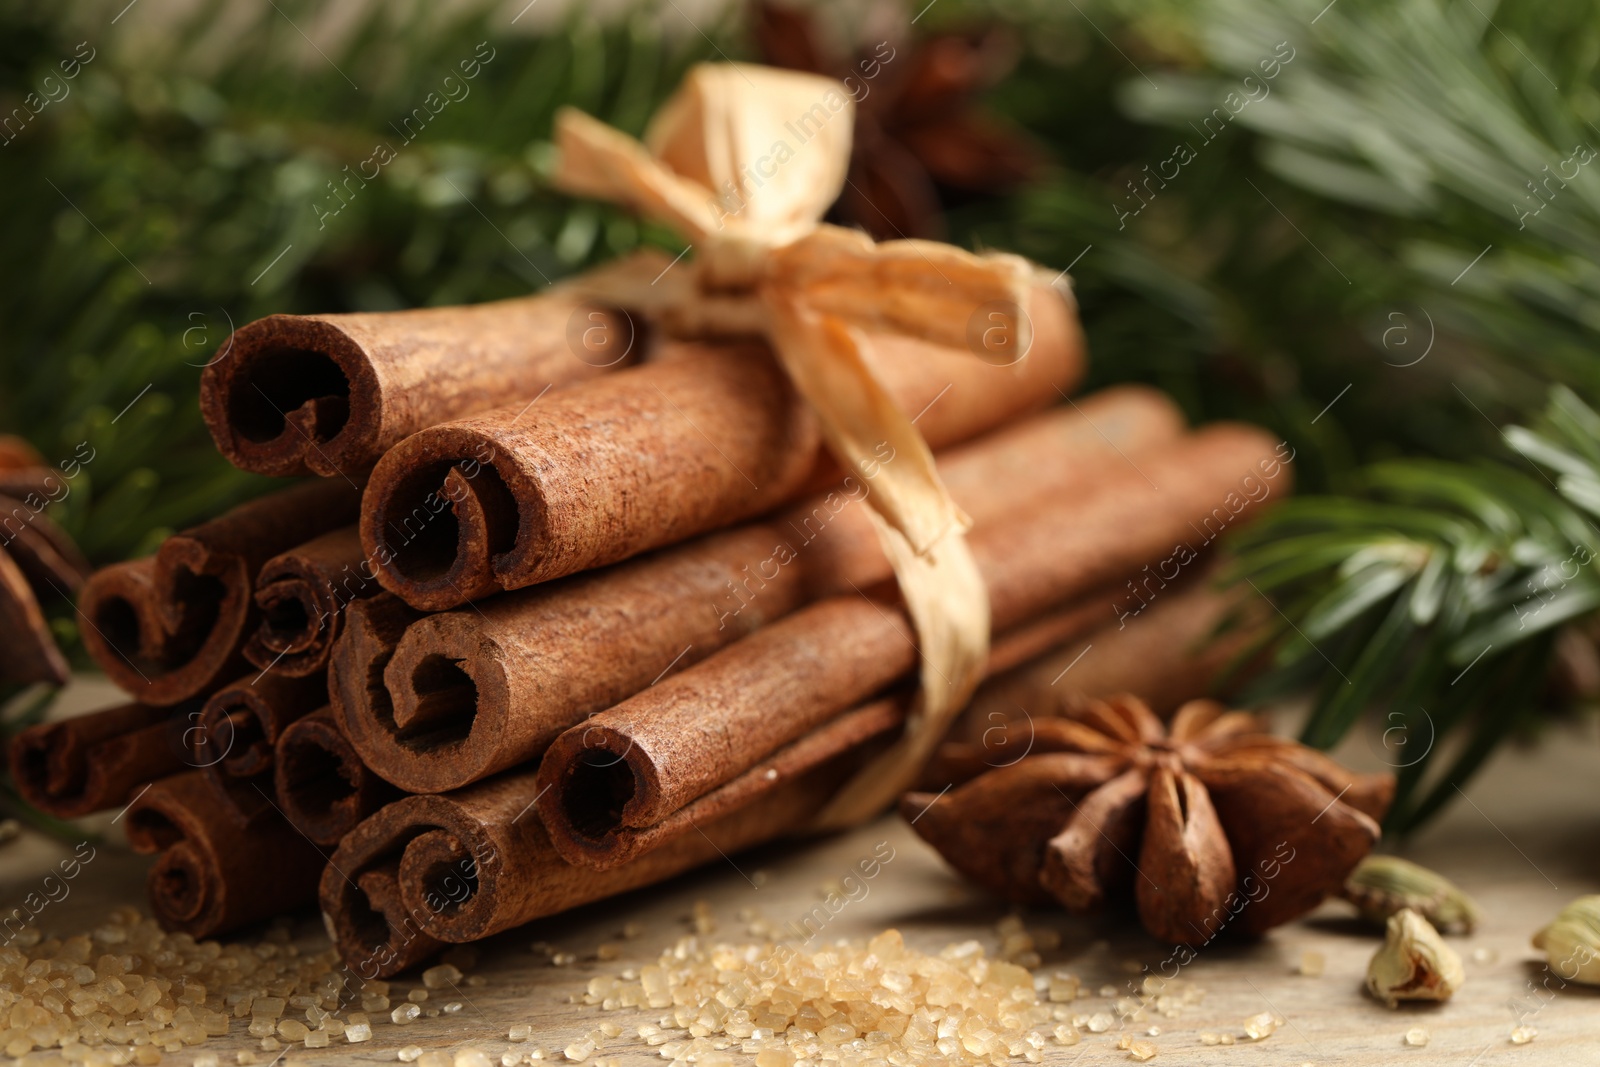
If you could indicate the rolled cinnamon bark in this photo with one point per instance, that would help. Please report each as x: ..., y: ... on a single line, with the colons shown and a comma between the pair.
x: 429, y: 870
x: 171, y: 626
x: 321, y: 784
x: 329, y: 394
x: 97, y: 761
x: 1166, y: 656
x: 238, y: 732
x: 1179, y: 631
x: 831, y: 737
x: 28, y: 651
x: 302, y: 595
x: 652, y: 456
x: 210, y: 878
x: 461, y: 695
x: 634, y: 764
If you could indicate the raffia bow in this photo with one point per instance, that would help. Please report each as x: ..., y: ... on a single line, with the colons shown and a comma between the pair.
x: 743, y: 161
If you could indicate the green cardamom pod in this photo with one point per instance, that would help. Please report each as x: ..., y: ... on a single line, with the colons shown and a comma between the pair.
x: 1382, y: 885
x: 1571, y: 944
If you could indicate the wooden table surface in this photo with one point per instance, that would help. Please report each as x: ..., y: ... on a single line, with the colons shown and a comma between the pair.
x: 1523, y: 841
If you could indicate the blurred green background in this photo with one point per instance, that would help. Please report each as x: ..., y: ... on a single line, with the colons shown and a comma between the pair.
x: 1383, y: 254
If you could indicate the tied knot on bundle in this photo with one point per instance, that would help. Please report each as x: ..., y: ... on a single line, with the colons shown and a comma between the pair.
x: 743, y: 162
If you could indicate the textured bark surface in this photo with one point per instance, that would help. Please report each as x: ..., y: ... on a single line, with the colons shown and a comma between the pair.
x: 302, y: 595
x: 97, y: 761
x: 172, y: 626
x: 704, y: 438
x: 476, y: 691
x: 329, y: 394
x: 632, y: 765
x: 238, y: 731
x: 408, y: 890
x: 209, y: 878
x: 321, y: 785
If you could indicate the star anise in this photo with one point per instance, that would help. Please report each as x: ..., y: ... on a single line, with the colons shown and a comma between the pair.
x: 917, y: 130
x: 38, y: 561
x: 1210, y: 822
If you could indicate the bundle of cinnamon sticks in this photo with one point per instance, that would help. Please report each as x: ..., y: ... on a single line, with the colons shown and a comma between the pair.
x: 551, y: 626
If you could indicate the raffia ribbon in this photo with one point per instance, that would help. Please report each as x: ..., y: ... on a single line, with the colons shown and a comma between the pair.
x: 742, y: 161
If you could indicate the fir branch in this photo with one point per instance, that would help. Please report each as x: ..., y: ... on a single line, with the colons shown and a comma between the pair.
x: 1435, y: 596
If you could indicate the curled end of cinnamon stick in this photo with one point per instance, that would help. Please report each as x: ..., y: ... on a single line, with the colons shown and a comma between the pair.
x: 439, y: 512
x: 433, y: 719
x: 206, y: 880
x: 373, y: 928
x: 165, y: 633
x: 93, y: 762
x: 292, y: 395
x: 594, y: 785
x: 302, y: 596
x: 324, y: 788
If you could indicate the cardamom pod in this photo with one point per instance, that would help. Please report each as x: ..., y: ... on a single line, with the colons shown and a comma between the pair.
x: 1571, y: 944
x: 1382, y: 885
x: 1414, y: 962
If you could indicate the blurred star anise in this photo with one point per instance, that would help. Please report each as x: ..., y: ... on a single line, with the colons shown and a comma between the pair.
x: 38, y: 562
x: 1210, y: 822
x: 917, y: 130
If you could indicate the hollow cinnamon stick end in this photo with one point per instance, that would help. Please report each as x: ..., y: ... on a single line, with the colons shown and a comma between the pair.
x: 292, y: 395
x: 323, y: 786
x: 440, y: 508
x: 590, y: 780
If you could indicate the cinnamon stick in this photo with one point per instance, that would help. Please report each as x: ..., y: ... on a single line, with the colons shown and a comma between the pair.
x: 302, y: 595
x: 329, y: 394
x: 237, y: 734
x: 171, y: 626
x: 97, y: 761
x: 470, y: 693
x: 652, y: 456
x: 1178, y: 632
x: 829, y: 738
x: 1166, y: 656
x: 426, y: 871
x: 210, y: 878
x: 323, y: 788
x: 634, y: 764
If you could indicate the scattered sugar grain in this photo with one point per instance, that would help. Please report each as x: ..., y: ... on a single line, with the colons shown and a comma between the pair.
x: 472, y: 1057
x: 409, y: 1054
x: 1523, y: 1034
x: 1416, y: 1037
x: 1313, y: 964
x: 355, y: 1033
